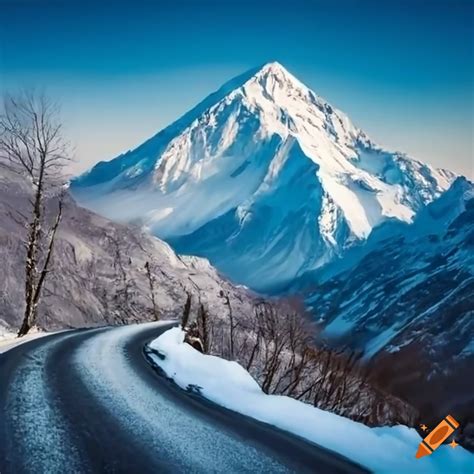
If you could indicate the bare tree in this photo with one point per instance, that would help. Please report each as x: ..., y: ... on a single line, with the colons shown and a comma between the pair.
x: 257, y: 340
x: 32, y: 145
x: 203, y: 328
x: 151, y: 282
x: 124, y: 297
x: 277, y: 346
x: 186, y: 311
x: 232, y: 324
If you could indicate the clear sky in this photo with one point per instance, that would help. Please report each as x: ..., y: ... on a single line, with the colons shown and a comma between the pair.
x: 402, y: 70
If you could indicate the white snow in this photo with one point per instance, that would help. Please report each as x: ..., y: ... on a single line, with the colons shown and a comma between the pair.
x: 383, y: 450
x: 9, y: 339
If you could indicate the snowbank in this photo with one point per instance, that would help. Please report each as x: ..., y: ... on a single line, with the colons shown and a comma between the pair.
x: 9, y: 340
x: 383, y: 450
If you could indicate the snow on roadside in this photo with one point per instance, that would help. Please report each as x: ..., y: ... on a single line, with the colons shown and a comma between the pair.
x: 9, y: 340
x: 383, y: 450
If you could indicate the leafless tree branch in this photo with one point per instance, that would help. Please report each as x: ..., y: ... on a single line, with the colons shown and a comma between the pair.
x: 32, y: 146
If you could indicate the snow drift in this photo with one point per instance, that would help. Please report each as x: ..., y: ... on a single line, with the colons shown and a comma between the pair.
x: 383, y: 450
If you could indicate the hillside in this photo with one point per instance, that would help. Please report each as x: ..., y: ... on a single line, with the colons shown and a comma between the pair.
x: 98, y: 276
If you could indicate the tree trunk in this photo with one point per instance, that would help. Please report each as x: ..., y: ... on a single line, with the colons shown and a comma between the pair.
x: 152, y: 291
x: 31, y: 259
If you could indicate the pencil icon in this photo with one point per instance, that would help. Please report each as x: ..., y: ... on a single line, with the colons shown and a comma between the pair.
x: 437, y: 436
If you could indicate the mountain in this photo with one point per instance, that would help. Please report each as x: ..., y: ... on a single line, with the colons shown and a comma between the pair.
x: 427, y: 276
x: 264, y: 178
x: 98, y: 275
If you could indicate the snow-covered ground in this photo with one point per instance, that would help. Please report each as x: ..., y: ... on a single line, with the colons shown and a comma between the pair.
x: 9, y: 340
x: 383, y: 450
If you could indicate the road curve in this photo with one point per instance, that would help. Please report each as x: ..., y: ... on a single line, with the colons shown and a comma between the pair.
x: 87, y: 401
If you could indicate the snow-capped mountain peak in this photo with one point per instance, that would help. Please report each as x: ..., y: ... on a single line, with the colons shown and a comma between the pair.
x: 264, y: 177
x: 274, y: 83
x: 285, y: 105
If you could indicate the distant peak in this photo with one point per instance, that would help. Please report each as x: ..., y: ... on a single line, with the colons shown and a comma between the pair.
x: 272, y: 73
x: 273, y: 68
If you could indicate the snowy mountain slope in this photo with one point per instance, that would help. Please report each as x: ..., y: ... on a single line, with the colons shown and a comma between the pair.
x: 407, y: 299
x: 98, y: 274
x: 426, y: 269
x: 432, y: 219
x: 264, y: 178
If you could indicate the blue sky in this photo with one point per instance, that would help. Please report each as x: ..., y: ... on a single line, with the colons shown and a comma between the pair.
x: 402, y: 70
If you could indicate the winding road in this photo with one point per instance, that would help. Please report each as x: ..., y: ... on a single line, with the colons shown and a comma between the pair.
x: 87, y: 401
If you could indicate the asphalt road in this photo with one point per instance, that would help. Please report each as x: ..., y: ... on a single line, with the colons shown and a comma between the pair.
x: 88, y: 401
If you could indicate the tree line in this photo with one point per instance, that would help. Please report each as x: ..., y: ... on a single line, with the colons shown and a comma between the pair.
x: 278, y: 346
